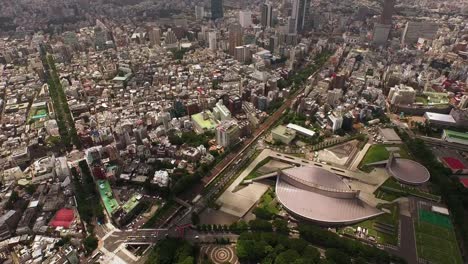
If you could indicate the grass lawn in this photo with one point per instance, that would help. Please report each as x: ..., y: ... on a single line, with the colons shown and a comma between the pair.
x: 386, y: 196
x: 436, y: 244
x: 389, y: 220
x: 391, y: 189
x: 254, y: 173
x: 379, y: 153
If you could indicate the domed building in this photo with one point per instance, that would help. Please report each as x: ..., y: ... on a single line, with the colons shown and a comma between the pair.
x: 320, y: 196
x: 407, y: 171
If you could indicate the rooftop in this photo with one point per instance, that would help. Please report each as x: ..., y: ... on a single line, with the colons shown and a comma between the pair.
x: 321, y: 196
x: 63, y: 218
x: 440, y: 117
x: 407, y: 171
x: 456, y: 135
x: 132, y: 203
x: 107, y: 197
x: 206, y: 123
x: 301, y: 130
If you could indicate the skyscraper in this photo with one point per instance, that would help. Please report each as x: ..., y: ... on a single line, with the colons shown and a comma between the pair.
x: 154, y: 35
x: 291, y: 24
x: 199, y: 12
x: 267, y: 15
x: 300, y: 12
x: 381, y: 33
x: 212, y: 40
x: 245, y: 18
x: 235, y: 38
x: 217, y: 9
x: 387, y: 12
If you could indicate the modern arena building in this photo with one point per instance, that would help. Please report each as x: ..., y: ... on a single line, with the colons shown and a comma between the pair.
x: 407, y: 171
x: 318, y: 195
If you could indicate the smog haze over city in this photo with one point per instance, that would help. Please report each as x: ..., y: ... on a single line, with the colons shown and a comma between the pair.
x: 234, y: 131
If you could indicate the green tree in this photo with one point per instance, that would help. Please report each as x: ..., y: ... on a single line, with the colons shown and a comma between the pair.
x: 195, y: 218
x: 287, y: 257
x: 337, y: 256
x: 90, y: 243
x: 281, y: 226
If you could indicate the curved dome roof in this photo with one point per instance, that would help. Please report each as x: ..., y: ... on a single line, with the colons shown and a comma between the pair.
x: 408, y: 171
x: 317, y: 176
x: 321, y: 196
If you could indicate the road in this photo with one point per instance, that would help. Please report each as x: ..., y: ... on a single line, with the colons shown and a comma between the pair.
x: 112, y: 239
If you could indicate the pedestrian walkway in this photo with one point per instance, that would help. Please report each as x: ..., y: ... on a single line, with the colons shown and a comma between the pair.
x: 357, y: 160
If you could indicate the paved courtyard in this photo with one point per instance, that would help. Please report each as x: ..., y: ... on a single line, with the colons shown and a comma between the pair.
x: 220, y: 254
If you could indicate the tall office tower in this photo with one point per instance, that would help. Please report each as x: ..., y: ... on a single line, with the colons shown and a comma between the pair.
x: 199, y: 12
x: 217, y: 9
x: 300, y: 12
x: 171, y: 38
x: 154, y: 35
x: 242, y: 54
x: 212, y: 40
x: 245, y: 18
x: 273, y: 43
x: 235, y: 38
x: 227, y: 133
x: 267, y: 15
x: 387, y: 12
x: 380, y: 34
x: 291, y: 25
x: 334, y: 96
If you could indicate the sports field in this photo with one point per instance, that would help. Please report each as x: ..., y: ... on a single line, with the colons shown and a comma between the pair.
x: 435, y: 239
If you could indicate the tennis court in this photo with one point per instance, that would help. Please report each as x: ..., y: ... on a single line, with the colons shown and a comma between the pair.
x: 435, y: 219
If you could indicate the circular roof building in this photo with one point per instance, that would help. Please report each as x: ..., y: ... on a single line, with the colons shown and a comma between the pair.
x: 320, y: 196
x: 407, y: 171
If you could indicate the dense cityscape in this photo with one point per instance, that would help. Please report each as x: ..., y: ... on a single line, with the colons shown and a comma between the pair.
x: 222, y: 131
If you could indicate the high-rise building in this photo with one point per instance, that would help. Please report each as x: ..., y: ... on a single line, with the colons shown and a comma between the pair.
x: 221, y: 112
x: 380, y: 34
x: 217, y: 9
x: 171, y: 38
x: 235, y: 38
x: 154, y: 35
x: 245, y: 18
x: 291, y: 25
x: 334, y: 96
x: 227, y: 133
x: 242, y: 54
x: 300, y: 12
x: 273, y: 43
x: 199, y: 12
x: 212, y: 40
x: 415, y: 30
x: 336, y: 121
x: 402, y: 95
x: 267, y: 15
x: 387, y: 12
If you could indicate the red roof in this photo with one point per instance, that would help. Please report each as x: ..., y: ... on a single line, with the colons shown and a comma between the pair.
x: 64, y: 217
x: 464, y: 181
x: 454, y: 163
